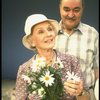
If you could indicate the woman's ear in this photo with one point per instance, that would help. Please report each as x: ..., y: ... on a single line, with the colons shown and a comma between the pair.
x: 32, y: 42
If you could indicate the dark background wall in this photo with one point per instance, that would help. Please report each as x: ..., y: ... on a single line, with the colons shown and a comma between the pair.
x: 14, y: 14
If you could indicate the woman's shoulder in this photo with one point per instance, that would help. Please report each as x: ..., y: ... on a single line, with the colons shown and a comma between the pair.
x: 24, y: 66
x: 66, y: 56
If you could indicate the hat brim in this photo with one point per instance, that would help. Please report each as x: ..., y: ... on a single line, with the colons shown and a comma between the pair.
x: 26, y: 42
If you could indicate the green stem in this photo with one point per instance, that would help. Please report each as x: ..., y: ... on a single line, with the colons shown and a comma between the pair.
x: 50, y: 95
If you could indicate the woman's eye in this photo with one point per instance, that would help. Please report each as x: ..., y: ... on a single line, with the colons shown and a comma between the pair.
x: 50, y: 28
x: 40, y: 32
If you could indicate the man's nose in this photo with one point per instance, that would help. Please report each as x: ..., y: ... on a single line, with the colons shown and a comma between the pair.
x: 71, y: 14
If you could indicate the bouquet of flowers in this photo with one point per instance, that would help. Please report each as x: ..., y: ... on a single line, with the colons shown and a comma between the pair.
x: 45, y: 80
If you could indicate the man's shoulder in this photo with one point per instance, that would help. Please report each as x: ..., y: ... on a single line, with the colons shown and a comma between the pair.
x: 87, y: 26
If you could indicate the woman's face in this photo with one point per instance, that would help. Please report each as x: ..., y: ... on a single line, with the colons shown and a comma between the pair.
x: 43, y: 36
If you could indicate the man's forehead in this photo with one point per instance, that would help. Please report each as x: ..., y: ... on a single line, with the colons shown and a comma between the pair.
x: 72, y: 0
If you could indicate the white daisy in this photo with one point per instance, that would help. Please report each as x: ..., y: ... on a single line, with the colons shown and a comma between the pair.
x: 41, y: 92
x: 47, y: 79
x: 41, y: 62
x: 26, y: 78
x: 38, y: 64
x: 59, y: 63
x: 72, y: 76
x: 34, y: 85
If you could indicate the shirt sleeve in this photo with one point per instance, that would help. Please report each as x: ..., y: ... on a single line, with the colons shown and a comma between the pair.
x: 20, y: 90
x: 96, y: 52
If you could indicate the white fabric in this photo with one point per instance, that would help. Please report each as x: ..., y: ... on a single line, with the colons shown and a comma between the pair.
x: 96, y: 90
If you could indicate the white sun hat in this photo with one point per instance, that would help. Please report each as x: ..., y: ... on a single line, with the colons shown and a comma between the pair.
x: 33, y: 20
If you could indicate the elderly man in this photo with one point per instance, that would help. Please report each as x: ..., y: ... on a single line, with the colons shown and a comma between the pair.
x: 79, y: 39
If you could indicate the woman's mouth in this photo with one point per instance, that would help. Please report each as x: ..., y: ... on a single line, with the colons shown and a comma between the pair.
x: 49, y: 41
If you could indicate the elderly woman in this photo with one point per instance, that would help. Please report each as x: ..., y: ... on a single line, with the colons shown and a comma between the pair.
x: 40, y: 37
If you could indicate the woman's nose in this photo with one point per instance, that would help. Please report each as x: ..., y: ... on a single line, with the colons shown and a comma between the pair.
x: 49, y: 33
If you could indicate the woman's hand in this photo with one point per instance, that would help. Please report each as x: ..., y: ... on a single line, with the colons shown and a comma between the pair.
x: 73, y: 87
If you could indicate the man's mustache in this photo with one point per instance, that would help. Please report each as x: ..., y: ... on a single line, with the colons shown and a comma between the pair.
x: 70, y: 18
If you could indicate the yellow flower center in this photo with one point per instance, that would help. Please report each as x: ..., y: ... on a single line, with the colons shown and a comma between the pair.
x: 39, y: 61
x: 46, y: 78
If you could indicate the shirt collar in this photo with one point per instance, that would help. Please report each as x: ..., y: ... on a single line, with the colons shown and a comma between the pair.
x: 79, y: 28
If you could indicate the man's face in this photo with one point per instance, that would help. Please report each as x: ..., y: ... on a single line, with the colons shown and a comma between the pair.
x: 71, y: 12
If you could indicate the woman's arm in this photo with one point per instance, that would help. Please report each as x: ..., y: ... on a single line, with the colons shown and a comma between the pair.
x: 21, y: 86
